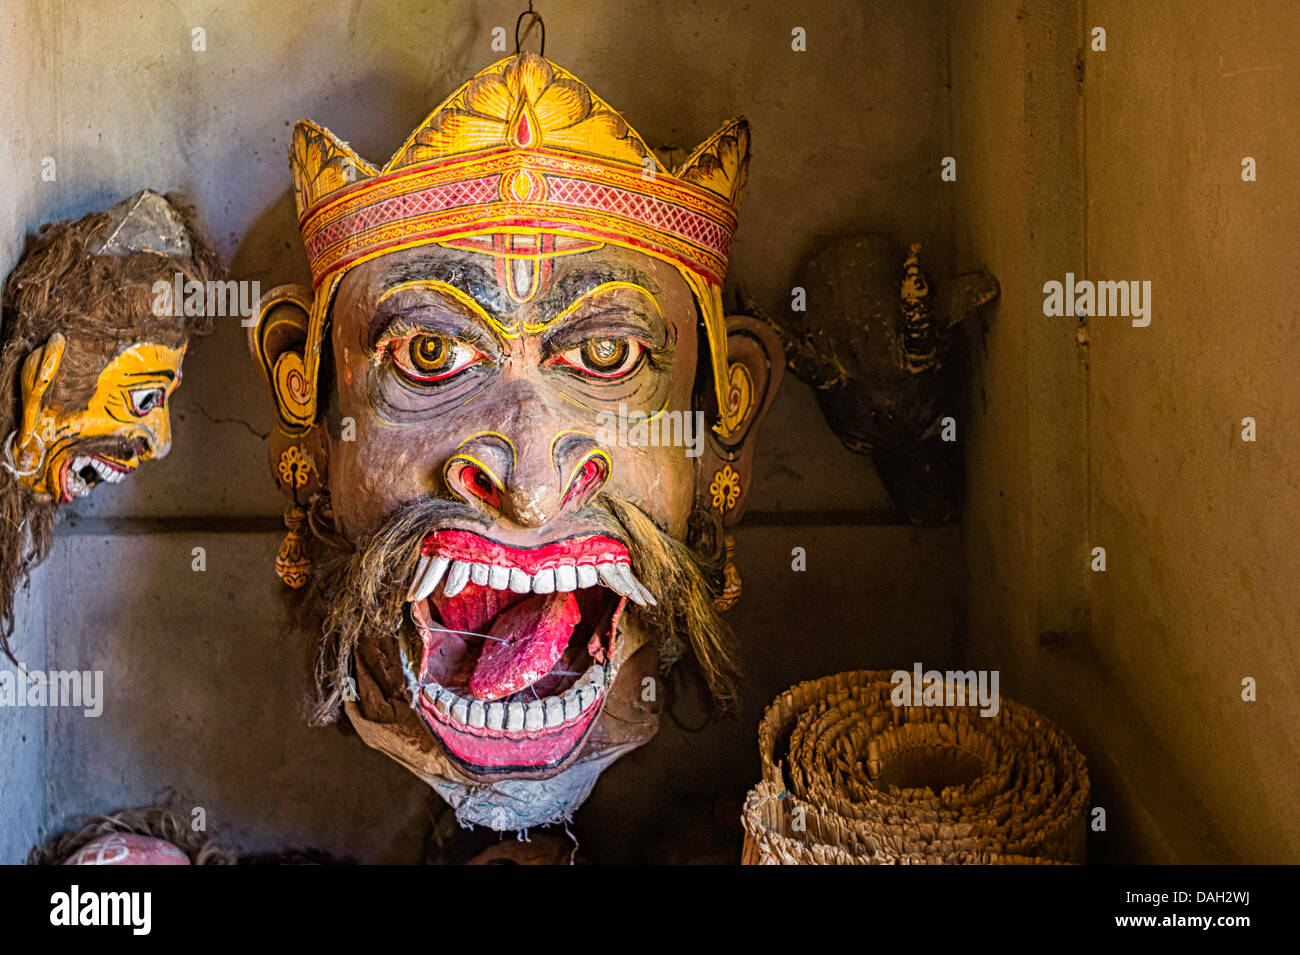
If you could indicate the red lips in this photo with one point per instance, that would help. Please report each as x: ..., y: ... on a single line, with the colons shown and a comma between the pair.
x: 584, y: 550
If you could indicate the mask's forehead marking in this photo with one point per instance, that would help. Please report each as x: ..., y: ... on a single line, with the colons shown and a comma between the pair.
x: 524, y: 261
x: 523, y: 264
x: 582, y: 299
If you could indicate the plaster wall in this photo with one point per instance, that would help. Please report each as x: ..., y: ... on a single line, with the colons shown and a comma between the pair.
x: 24, y: 91
x: 1126, y: 165
x: 203, y: 688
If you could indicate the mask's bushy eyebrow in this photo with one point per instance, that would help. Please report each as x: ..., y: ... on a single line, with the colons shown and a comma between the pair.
x: 440, y: 266
x: 580, y: 281
x: 614, y: 322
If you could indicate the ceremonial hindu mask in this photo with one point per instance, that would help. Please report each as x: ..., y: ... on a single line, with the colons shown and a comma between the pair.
x: 518, y: 420
x: 90, y: 362
x: 122, y: 424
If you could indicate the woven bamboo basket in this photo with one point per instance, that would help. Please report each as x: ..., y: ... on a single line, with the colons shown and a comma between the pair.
x: 851, y: 779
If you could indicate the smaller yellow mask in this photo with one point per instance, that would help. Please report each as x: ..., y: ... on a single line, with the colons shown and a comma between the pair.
x: 63, y: 453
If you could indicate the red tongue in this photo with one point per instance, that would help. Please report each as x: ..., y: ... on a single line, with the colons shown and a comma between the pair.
x: 538, y: 630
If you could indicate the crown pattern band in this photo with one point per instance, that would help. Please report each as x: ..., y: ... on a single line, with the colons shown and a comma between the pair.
x: 523, y: 148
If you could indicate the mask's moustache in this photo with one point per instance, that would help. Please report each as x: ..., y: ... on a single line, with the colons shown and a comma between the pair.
x: 360, y: 593
x: 109, y: 446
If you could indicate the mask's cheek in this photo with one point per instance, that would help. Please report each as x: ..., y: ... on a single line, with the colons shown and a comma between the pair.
x: 381, y: 469
x: 659, y: 480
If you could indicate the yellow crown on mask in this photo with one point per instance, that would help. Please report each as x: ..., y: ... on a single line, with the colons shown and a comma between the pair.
x: 524, y: 148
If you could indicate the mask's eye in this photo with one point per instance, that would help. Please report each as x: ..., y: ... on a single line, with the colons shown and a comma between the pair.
x: 144, y: 400
x: 604, y: 357
x: 426, y: 357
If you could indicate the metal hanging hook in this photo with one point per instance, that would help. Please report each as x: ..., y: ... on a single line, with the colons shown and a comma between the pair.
x: 536, y: 21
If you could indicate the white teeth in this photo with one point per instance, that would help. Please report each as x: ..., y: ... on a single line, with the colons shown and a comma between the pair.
x: 430, y: 571
x: 549, y: 712
x: 618, y: 578
x: 534, y: 715
x: 566, y: 578
x: 428, y: 582
x: 554, y: 711
x: 457, y: 578
x: 106, y: 472
x: 477, y: 714
x: 420, y: 567
x: 515, y: 716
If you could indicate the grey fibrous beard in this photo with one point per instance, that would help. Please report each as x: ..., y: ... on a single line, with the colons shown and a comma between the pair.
x: 359, y: 592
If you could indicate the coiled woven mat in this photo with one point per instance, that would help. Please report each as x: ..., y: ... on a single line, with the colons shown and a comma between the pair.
x: 851, y: 779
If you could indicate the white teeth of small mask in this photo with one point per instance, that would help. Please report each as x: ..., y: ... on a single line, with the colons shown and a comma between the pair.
x: 106, y: 473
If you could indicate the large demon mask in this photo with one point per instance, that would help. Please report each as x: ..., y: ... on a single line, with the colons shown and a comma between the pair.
x: 89, y: 363
x: 515, y: 422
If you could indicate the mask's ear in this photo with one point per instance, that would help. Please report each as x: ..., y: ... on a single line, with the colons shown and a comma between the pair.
x: 278, y: 343
x: 726, y: 465
x: 39, y: 371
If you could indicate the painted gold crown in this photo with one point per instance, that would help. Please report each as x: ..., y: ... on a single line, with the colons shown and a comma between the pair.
x: 524, y: 149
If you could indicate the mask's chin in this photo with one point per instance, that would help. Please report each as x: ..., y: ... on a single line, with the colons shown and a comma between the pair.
x: 517, y: 648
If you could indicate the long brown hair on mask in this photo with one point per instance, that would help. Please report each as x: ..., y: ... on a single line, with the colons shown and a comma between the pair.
x: 100, y: 304
x: 359, y: 593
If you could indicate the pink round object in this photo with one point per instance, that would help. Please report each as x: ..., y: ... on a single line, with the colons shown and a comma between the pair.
x: 126, y: 848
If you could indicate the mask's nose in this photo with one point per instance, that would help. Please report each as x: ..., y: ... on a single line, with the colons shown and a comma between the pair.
x: 530, y: 483
x: 157, y: 440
